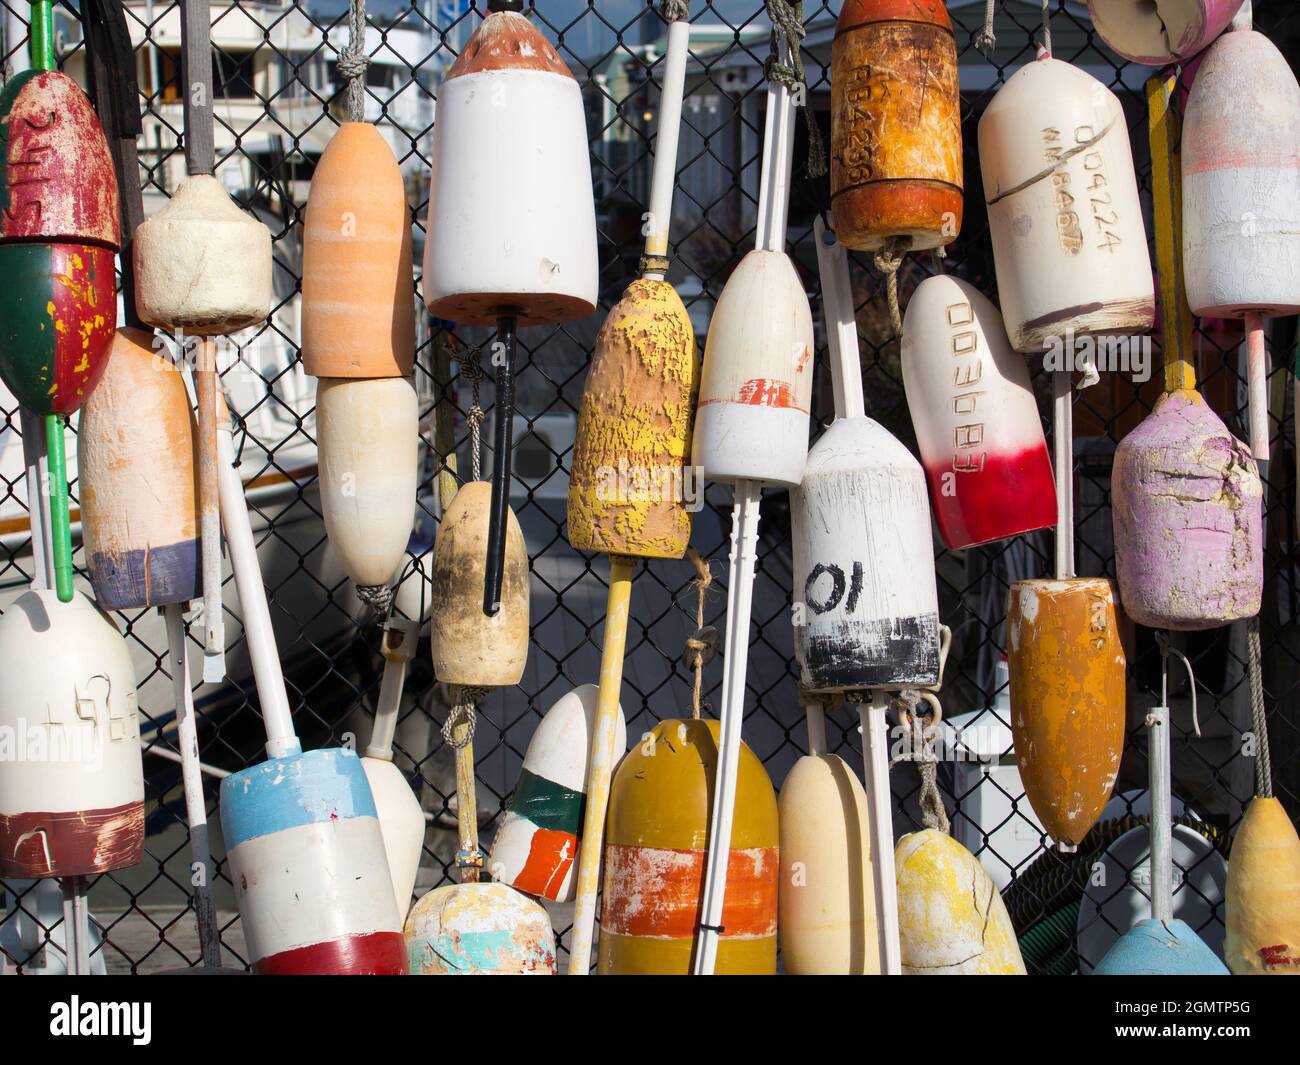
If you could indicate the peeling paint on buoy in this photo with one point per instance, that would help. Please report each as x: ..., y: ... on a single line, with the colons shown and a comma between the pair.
x: 1157, y: 34
x: 479, y: 930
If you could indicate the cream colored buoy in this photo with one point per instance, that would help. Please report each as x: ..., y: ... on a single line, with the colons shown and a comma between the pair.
x: 951, y: 919
x: 468, y: 646
x: 358, y: 296
x: 826, y: 898
x: 1064, y: 214
x: 201, y: 264
x: 1160, y: 33
x: 537, y: 843
x: 139, y: 512
x: 1263, y: 895
x: 72, y: 788
x: 369, y: 456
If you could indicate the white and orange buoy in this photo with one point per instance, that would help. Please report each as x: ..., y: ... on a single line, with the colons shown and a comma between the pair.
x: 72, y: 790
x: 368, y: 435
x: 536, y: 847
x: 975, y: 416
x: 1241, y: 196
x: 1065, y: 219
x: 139, y: 510
x: 358, y: 292
x: 1158, y: 34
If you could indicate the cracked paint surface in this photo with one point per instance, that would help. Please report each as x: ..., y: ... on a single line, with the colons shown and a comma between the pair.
x: 1186, y: 500
x: 479, y: 930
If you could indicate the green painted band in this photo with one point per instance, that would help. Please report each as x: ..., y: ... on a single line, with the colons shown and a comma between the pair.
x: 547, y: 804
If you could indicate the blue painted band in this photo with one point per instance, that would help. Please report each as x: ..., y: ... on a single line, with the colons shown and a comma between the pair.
x: 1150, y: 948
x: 124, y: 580
x: 303, y: 789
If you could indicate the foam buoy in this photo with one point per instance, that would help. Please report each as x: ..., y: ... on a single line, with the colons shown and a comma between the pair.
x: 1067, y: 698
x: 537, y: 844
x: 1163, y: 33
x: 1064, y: 214
x: 491, y: 929
x: 826, y: 898
x: 896, y: 165
x: 358, y: 300
x: 1263, y: 885
x: 952, y: 921
x: 659, y: 814
x: 468, y: 646
x: 139, y: 516
x: 1160, y: 948
x: 975, y: 417
x: 203, y: 266
x: 310, y: 819
x: 1241, y: 196
x: 369, y: 461
x: 72, y: 790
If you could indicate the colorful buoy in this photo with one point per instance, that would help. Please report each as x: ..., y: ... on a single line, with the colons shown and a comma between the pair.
x: 951, y: 919
x: 975, y: 417
x: 72, y: 789
x: 659, y: 810
x: 1263, y: 918
x: 537, y: 844
x: 478, y: 930
x: 139, y: 512
x: 1157, y: 34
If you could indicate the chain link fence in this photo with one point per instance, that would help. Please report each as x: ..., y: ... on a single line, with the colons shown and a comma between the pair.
x: 279, y: 98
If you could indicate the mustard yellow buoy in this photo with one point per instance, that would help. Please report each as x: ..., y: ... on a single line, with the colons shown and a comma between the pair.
x: 1067, y: 698
x: 659, y: 808
x: 827, y: 911
x: 951, y: 919
x: 1263, y: 895
x: 468, y: 646
x: 626, y: 490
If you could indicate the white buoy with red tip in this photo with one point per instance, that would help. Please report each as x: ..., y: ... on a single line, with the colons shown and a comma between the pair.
x: 975, y: 416
x: 751, y: 428
x: 1065, y: 219
x: 369, y: 458
x: 1241, y: 196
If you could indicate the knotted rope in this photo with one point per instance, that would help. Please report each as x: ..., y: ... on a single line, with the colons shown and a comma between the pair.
x: 702, y: 645
x: 888, y: 261
x: 1047, y: 27
x: 1258, y: 721
x: 922, y: 751
x: 674, y: 10
x: 353, y: 61
x: 985, y: 40
x: 472, y: 368
x: 787, y: 24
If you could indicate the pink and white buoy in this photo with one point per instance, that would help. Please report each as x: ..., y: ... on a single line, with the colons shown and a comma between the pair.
x: 1163, y: 32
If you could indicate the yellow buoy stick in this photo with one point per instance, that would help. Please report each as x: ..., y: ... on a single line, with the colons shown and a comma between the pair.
x: 1166, y: 183
x: 601, y: 768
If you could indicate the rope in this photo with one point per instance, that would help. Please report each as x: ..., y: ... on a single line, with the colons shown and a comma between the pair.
x: 701, y: 645
x: 472, y: 368
x: 353, y: 61
x: 924, y: 753
x: 1047, y: 27
x: 466, y: 710
x: 887, y: 261
x: 1162, y: 641
x: 376, y: 596
x: 1258, y: 721
x: 787, y: 23
x: 674, y: 10
x: 985, y: 40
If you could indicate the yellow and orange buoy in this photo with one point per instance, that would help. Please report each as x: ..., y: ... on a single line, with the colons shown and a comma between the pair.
x: 358, y: 303
x: 659, y: 808
x: 1263, y: 894
x: 1067, y: 698
x: 896, y: 161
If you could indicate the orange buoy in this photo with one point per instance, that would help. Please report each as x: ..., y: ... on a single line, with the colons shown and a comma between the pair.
x: 1263, y: 894
x: 1067, y: 698
x: 358, y: 302
x: 139, y: 512
x: 896, y: 163
x: 659, y: 809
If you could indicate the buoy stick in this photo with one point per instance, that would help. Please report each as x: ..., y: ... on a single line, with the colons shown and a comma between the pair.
x: 35, y: 457
x: 281, y: 740
x: 874, y: 720
x: 1063, y: 441
x: 841, y: 326
x: 774, y: 183
x: 1257, y: 380
x: 214, y: 639
x: 1162, y: 890
x: 60, y: 529
x: 196, y: 810
x: 601, y: 767
x: 816, y: 715
x: 76, y: 921
x: 398, y: 648
x: 1163, y: 132
x: 665, y: 154
x: 502, y: 445
x: 740, y: 591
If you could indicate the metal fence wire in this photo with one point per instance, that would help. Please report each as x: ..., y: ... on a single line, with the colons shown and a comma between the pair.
x: 279, y: 98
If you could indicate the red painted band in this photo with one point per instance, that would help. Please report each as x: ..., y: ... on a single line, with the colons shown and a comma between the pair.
x: 41, y: 843
x: 373, y: 954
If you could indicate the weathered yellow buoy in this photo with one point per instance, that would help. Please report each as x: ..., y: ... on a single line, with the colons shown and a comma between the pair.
x: 468, y: 646
x: 1263, y: 896
x: 659, y: 809
x: 951, y: 919
x: 827, y: 902
x: 1067, y: 698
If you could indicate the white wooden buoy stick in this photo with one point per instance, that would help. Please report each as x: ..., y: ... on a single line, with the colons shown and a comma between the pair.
x: 665, y: 158
x: 1063, y: 441
x: 1257, y: 386
x: 841, y: 326
x: 1162, y: 884
x: 874, y: 719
